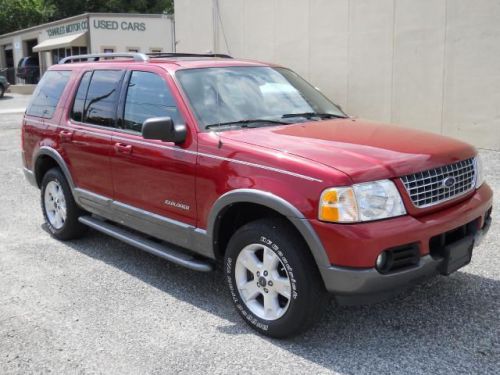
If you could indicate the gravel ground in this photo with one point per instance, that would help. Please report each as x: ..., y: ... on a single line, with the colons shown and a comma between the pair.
x: 97, y: 305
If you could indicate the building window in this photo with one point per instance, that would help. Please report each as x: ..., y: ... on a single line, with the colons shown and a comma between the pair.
x: 78, y: 51
x: 61, y: 53
x: 133, y: 49
x: 155, y: 50
x: 108, y: 50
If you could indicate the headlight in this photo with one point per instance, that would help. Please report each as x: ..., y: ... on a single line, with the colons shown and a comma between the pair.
x: 361, y: 202
x: 478, y: 164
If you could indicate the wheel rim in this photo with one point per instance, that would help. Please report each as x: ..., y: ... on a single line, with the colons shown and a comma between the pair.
x: 263, y: 282
x: 55, y: 204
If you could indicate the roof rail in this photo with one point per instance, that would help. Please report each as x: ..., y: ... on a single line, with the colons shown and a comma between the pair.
x: 181, y: 54
x: 97, y: 56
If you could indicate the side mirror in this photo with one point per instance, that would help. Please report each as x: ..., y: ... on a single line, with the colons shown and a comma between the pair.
x: 163, y: 129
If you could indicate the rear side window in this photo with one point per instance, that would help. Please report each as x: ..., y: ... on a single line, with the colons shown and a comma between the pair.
x: 96, y: 101
x: 81, y: 94
x: 148, y: 95
x: 47, y: 94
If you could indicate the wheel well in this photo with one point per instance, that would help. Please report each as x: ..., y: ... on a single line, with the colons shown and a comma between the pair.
x: 234, y: 217
x: 42, y: 165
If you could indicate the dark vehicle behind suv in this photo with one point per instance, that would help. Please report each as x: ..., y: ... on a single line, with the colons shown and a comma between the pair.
x: 28, y: 69
x: 4, y: 85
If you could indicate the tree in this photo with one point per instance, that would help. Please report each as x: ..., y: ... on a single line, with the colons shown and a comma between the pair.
x: 64, y: 8
x: 20, y: 14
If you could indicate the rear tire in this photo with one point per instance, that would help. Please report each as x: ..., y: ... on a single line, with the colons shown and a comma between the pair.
x: 59, y: 208
x: 272, y: 278
x: 2, y: 91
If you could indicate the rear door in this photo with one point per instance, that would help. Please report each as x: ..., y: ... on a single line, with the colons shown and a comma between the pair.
x: 154, y: 176
x: 87, y: 137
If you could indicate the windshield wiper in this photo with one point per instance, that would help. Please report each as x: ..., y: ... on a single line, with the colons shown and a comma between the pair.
x: 245, y: 123
x: 309, y: 115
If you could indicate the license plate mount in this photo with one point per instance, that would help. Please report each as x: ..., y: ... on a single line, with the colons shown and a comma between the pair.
x: 456, y: 255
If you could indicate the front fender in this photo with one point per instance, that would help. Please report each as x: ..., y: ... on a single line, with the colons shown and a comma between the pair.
x: 277, y: 204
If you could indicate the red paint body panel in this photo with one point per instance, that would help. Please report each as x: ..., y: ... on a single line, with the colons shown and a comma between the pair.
x: 294, y: 162
x: 363, y: 150
x: 88, y: 158
x: 295, y: 179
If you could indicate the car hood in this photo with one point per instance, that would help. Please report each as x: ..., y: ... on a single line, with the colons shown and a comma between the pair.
x: 364, y: 150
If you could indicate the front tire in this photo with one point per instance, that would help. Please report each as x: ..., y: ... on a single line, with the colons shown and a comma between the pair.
x: 59, y: 208
x: 2, y: 91
x: 272, y: 278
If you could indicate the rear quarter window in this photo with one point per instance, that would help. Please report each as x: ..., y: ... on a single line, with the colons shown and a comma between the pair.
x: 48, y: 93
x: 97, y: 97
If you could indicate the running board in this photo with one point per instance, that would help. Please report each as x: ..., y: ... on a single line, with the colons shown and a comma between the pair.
x: 168, y: 252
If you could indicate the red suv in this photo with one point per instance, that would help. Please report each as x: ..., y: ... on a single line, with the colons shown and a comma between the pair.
x: 201, y: 159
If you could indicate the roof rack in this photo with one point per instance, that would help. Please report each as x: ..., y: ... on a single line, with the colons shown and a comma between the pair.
x: 97, y: 56
x: 181, y: 54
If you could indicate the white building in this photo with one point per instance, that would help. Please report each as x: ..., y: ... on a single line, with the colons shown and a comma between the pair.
x: 429, y: 64
x: 87, y: 33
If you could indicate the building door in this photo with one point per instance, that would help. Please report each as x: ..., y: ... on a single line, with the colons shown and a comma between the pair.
x: 9, y: 63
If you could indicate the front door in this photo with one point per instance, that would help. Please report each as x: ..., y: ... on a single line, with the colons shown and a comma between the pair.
x: 154, y: 181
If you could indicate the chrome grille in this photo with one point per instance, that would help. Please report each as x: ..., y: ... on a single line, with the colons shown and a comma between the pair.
x: 428, y: 188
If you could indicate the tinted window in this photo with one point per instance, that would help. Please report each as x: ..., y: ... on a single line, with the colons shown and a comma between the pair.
x: 147, y: 96
x: 47, y: 94
x: 81, y: 94
x: 102, y: 97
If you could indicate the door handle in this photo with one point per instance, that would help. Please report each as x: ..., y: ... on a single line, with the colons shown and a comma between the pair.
x: 122, y: 148
x: 65, y: 135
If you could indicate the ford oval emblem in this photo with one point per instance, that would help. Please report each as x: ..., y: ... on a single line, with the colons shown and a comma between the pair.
x: 448, y: 182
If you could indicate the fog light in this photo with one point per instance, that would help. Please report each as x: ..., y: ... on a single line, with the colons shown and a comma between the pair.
x: 381, y: 260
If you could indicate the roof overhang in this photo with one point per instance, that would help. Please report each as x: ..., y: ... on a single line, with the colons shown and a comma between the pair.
x: 74, y: 40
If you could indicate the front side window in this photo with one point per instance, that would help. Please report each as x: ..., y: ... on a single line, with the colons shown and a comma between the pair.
x: 147, y: 96
x: 228, y: 95
x: 97, y: 98
x: 47, y: 94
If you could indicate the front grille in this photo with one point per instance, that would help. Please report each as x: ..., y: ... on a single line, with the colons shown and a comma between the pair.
x: 429, y: 187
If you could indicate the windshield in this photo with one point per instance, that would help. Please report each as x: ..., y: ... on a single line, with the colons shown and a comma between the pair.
x: 236, y: 95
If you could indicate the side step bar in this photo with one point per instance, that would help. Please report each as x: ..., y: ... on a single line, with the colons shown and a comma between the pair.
x: 168, y: 252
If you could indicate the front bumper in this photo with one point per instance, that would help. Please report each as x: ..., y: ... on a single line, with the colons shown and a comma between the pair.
x: 354, y: 285
x: 351, y: 286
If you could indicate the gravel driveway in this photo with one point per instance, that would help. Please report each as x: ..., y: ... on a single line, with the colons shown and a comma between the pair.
x: 99, y: 306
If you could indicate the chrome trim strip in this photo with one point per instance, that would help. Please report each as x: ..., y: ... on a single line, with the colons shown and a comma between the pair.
x: 250, y: 164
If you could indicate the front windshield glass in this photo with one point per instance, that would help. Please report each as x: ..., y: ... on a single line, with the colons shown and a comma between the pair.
x: 230, y: 95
